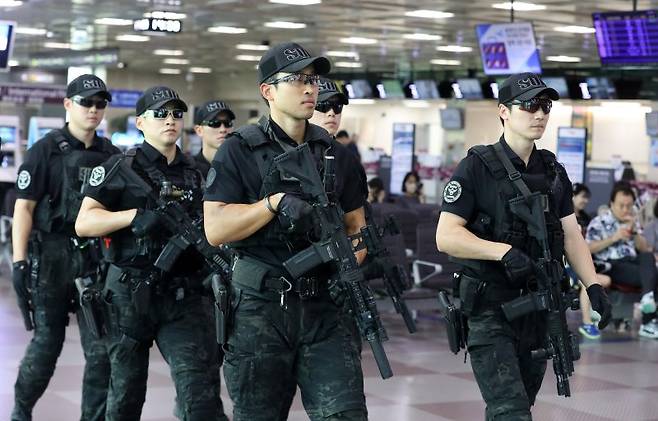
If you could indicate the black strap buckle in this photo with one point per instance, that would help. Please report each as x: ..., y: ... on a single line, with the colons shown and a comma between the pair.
x: 308, y: 288
x: 514, y: 175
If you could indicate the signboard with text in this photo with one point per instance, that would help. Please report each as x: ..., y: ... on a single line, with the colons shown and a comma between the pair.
x: 571, y: 151
x: 402, y: 155
x: 508, y: 48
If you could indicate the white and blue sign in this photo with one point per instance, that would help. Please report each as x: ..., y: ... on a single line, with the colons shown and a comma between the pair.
x: 508, y: 48
x: 402, y: 154
x: 571, y: 151
x: 6, y: 43
x: 122, y: 98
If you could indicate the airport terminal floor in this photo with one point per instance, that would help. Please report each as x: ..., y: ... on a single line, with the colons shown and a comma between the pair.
x: 615, y: 378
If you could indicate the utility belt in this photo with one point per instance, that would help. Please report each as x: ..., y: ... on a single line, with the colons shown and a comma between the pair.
x: 142, y: 284
x: 254, y: 274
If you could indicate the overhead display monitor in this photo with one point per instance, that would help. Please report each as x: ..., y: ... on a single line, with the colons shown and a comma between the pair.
x: 6, y: 43
x: 452, y: 119
x: 651, y: 124
x: 559, y: 84
x: 390, y: 89
x: 627, y: 38
x: 601, y: 88
x: 508, y: 48
x: 8, y: 135
x: 469, y: 89
x: 424, y: 89
x: 359, y: 88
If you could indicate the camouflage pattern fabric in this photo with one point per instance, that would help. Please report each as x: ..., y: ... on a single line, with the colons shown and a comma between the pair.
x: 173, y: 322
x: 271, y: 350
x: 52, y: 297
x: 508, y: 378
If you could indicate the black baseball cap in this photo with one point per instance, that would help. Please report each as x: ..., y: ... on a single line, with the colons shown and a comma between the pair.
x: 290, y: 57
x: 156, y: 97
x: 524, y: 86
x: 329, y: 89
x: 86, y: 86
x: 210, y: 109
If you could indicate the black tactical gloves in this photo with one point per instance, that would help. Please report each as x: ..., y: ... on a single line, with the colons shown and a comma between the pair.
x: 600, y: 303
x: 145, y: 222
x: 20, y: 276
x: 518, y: 267
x: 291, y: 210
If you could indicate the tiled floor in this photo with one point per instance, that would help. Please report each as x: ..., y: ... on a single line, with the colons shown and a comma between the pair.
x: 616, y: 379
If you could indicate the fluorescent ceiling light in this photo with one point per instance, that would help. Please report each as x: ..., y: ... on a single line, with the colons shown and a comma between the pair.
x: 133, y: 38
x: 113, y: 21
x: 13, y: 63
x: 358, y: 40
x: 24, y: 30
x: 252, y: 47
x: 182, y: 61
x: 564, y: 59
x: 10, y: 3
x: 163, y: 52
x: 165, y: 15
x: 348, y: 64
x: 575, y: 29
x: 422, y: 37
x: 247, y: 57
x: 361, y: 101
x: 227, y: 30
x: 344, y: 54
x: 297, y: 2
x: 429, y: 14
x: 200, y: 70
x: 444, y: 62
x: 166, y: 71
x: 57, y: 45
x: 519, y: 6
x: 454, y: 48
x: 285, y: 25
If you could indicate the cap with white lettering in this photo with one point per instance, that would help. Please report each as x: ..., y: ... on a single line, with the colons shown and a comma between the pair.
x: 290, y: 57
x: 86, y: 86
x: 157, y: 97
x: 524, y: 86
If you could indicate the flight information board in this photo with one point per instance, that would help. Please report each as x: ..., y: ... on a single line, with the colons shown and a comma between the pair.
x: 627, y: 38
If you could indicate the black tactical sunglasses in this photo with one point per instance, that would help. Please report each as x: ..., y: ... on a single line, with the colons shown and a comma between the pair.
x: 215, y: 124
x: 325, y: 106
x: 533, y: 105
x: 163, y: 113
x: 100, y: 104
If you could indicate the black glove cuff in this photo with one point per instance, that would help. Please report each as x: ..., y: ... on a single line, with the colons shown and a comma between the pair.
x: 21, y: 264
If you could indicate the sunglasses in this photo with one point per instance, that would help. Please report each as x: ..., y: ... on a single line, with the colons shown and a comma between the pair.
x: 325, y: 106
x: 163, y: 113
x: 533, y: 105
x: 297, y: 78
x: 100, y: 104
x: 215, y: 124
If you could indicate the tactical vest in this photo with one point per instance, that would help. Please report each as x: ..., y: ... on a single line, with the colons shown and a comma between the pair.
x: 122, y: 246
x: 59, y: 214
x: 501, y: 225
x: 264, y: 147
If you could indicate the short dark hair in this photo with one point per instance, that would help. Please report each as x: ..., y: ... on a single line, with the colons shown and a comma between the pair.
x: 581, y: 188
x: 342, y: 133
x: 623, y: 188
x: 376, y: 184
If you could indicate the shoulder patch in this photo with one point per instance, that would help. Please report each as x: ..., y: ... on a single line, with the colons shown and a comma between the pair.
x: 24, y: 179
x: 452, y: 192
x: 97, y: 176
x: 210, y: 178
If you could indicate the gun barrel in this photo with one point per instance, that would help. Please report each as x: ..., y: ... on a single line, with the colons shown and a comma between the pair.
x: 380, y: 358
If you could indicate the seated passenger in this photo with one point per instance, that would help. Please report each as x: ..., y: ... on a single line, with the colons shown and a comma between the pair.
x: 412, y: 189
x: 376, y: 191
x: 615, y: 237
x: 581, y: 195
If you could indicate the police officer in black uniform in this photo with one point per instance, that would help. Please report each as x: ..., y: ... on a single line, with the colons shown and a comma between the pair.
x: 477, y: 226
x: 213, y: 121
x: 48, y: 195
x: 285, y: 333
x: 145, y: 303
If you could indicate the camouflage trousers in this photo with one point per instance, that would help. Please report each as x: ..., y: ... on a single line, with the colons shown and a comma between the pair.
x: 273, y: 349
x: 508, y: 378
x: 177, y: 322
x: 52, y: 297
